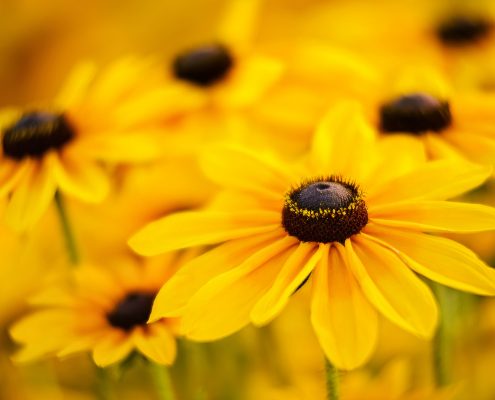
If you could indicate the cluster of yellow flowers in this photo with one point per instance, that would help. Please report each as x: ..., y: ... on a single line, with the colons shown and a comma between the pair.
x: 263, y: 212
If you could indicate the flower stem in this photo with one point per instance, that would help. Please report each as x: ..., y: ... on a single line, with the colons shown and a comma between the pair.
x: 444, y: 338
x: 332, y: 376
x: 103, y: 389
x: 162, y: 381
x: 70, y: 241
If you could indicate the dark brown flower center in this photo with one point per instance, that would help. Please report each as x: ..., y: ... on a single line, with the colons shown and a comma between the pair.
x: 415, y: 113
x: 133, y: 310
x: 36, y: 133
x: 324, y: 210
x: 203, y: 66
x: 462, y: 30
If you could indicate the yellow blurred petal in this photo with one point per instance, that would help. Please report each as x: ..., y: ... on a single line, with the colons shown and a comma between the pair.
x: 239, y: 23
x: 344, y: 321
x: 76, y: 85
x: 343, y: 142
x: 249, y: 80
x: 392, y: 287
x: 422, y: 79
x: 435, y: 216
x: 437, y: 180
x: 80, y: 178
x: 31, y: 197
x: 242, y: 169
x: 292, y: 274
x: 439, y: 259
x: 158, y: 344
x: 113, y: 347
x: 439, y: 148
x: 195, y: 228
x: 223, y: 305
x: 478, y: 148
x: 11, y: 173
x: 174, y: 295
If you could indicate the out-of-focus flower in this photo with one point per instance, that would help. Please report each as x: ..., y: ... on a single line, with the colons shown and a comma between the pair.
x: 105, y: 313
x: 45, y: 149
x: 278, y: 224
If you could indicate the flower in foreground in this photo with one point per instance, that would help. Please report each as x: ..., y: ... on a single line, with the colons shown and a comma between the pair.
x: 352, y: 224
x: 105, y: 313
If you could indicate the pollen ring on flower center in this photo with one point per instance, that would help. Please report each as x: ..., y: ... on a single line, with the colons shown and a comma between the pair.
x: 324, y: 210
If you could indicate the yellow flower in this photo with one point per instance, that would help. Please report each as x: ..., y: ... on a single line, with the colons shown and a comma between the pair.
x: 60, y: 147
x: 353, y: 225
x: 105, y: 313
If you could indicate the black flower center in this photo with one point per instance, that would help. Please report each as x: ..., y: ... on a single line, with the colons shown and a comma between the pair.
x: 324, y: 210
x: 203, y: 65
x: 415, y: 113
x: 36, y: 133
x: 133, y: 310
x: 461, y: 30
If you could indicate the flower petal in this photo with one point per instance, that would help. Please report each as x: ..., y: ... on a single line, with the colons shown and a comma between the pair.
x: 11, y: 173
x: 76, y: 85
x: 292, y: 274
x: 223, y: 305
x: 174, y: 295
x: 195, y: 228
x: 392, y: 287
x: 439, y: 259
x: 344, y: 321
x: 80, y: 178
x: 114, y: 347
x: 437, y: 180
x: 158, y: 345
x: 435, y: 216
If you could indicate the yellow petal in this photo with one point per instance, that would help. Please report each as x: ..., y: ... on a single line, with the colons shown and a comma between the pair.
x: 392, y: 287
x: 435, y: 216
x: 80, y: 178
x: 439, y: 148
x: 292, y: 274
x: 175, y: 294
x: 343, y: 142
x: 195, y: 228
x: 439, y: 259
x: 478, y: 148
x: 31, y: 198
x: 437, y: 180
x: 344, y: 321
x: 249, y: 80
x: 239, y: 23
x: 242, y: 169
x: 158, y: 344
x: 223, y: 305
x: 113, y: 347
x: 422, y: 78
x: 11, y: 173
x: 76, y: 85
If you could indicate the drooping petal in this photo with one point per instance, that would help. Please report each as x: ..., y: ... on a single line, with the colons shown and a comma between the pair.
x: 174, y: 295
x: 392, y: 287
x: 439, y: 259
x: 31, y: 197
x: 435, y: 216
x: 80, y: 178
x: 114, y: 347
x: 11, y: 173
x: 195, y: 228
x: 344, y: 321
x: 438, y: 180
x: 158, y: 345
x: 343, y: 142
x: 295, y: 270
x: 223, y: 305
x: 76, y: 85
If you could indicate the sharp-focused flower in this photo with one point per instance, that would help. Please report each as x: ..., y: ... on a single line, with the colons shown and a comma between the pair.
x: 352, y: 223
x: 104, y: 119
x: 104, y: 313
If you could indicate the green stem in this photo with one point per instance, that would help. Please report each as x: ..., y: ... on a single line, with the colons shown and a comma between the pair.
x: 70, y: 241
x: 162, y: 381
x: 444, y: 339
x: 103, y: 388
x: 332, y: 376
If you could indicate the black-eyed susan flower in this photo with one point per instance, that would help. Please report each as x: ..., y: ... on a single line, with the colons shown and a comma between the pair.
x: 104, y: 312
x: 61, y: 146
x: 348, y: 220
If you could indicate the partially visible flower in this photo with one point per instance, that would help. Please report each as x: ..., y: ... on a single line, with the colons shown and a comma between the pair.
x: 105, y: 313
x: 352, y: 219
